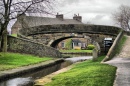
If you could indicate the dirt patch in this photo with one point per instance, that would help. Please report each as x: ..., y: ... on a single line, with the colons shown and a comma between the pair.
x: 48, y: 78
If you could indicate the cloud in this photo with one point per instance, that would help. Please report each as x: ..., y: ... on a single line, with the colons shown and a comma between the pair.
x: 87, y: 6
x: 70, y: 1
x: 99, y: 17
x: 96, y: 11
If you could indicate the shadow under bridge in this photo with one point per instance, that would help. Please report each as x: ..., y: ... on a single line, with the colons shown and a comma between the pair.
x: 55, y: 43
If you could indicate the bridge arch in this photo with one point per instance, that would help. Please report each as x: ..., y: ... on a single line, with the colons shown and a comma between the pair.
x: 57, y: 41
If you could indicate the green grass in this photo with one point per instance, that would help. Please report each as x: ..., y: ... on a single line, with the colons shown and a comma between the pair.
x: 14, y: 60
x: 68, y: 44
x: 124, y: 38
x: 15, y: 35
x: 76, y: 51
x: 87, y: 73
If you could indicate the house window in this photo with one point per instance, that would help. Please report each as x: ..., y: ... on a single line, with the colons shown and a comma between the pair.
x: 62, y: 44
x: 79, y: 44
x: 83, y: 45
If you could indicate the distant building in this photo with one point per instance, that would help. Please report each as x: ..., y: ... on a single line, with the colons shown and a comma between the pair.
x: 76, y: 43
x: 25, y: 21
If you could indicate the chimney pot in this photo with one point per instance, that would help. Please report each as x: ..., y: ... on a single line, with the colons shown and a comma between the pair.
x: 59, y: 16
x: 77, y: 18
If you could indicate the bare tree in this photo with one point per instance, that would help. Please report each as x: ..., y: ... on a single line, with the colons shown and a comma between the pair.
x: 122, y: 17
x: 10, y: 8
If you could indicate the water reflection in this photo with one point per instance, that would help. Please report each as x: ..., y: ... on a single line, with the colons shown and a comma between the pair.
x: 78, y: 58
x: 17, y: 82
x: 77, y: 55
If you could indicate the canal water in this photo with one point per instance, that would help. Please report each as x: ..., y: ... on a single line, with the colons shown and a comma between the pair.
x: 28, y: 80
x: 78, y: 58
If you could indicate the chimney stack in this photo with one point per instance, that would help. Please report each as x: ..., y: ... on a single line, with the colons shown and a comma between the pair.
x: 77, y: 18
x: 59, y: 16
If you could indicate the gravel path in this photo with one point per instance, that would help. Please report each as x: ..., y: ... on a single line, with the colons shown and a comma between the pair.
x: 122, y: 62
x: 125, y: 52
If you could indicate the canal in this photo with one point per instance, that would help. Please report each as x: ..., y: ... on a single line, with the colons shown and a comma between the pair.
x: 28, y: 79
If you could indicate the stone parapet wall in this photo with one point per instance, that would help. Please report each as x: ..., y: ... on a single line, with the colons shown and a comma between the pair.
x: 71, y: 28
x: 21, y: 45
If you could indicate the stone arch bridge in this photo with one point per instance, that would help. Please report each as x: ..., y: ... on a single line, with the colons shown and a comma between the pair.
x: 51, y: 35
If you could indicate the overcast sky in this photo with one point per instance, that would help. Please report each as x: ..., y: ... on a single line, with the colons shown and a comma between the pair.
x: 94, y: 11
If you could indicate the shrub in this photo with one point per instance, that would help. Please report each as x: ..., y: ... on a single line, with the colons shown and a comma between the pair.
x: 90, y: 47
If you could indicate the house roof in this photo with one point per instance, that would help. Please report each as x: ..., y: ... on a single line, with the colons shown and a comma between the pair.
x: 32, y: 21
x: 76, y: 41
x: 25, y: 21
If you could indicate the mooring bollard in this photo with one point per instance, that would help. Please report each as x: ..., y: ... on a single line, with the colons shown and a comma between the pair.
x: 95, y: 54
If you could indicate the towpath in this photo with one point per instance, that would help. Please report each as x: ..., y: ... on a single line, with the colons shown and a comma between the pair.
x: 122, y: 62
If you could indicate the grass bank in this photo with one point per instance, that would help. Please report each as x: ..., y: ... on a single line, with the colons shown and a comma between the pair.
x: 14, y: 60
x: 87, y: 73
x: 76, y: 51
x: 121, y: 43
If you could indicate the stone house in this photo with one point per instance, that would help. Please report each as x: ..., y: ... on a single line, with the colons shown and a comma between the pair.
x: 74, y: 43
x: 25, y: 21
x: 78, y: 44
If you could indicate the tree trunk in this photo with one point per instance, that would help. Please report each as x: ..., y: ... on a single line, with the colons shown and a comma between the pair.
x: 4, y: 41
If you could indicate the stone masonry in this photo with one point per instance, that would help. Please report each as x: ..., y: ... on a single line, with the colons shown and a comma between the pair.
x: 30, y: 47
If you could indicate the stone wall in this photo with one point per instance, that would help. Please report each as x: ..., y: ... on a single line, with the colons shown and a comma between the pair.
x: 27, y: 46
